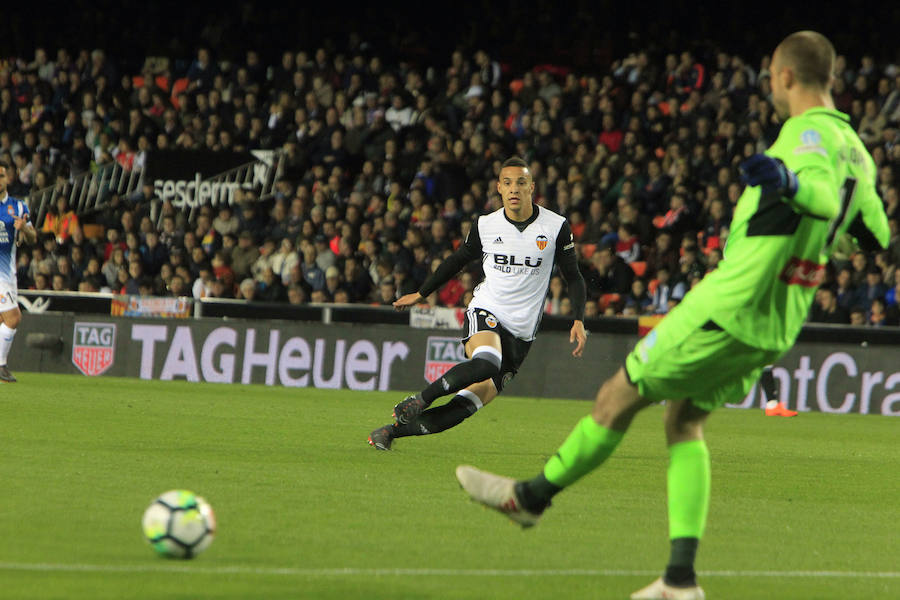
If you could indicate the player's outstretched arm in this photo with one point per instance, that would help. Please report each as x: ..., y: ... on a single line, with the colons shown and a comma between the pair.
x: 404, y: 302
x: 468, y: 251
x: 870, y: 226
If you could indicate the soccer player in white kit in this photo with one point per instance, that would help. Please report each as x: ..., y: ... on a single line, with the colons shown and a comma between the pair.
x: 518, y: 246
x: 14, y: 225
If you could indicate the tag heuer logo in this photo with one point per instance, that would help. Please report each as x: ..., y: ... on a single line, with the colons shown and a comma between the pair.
x: 441, y: 354
x: 93, y: 347
x: 541, y: 242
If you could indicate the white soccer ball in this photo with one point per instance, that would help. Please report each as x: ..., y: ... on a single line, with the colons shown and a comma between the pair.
x: 179, y: 524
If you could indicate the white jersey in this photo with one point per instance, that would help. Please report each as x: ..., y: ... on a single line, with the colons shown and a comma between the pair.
x: 518, y: 259
x: 9, y: 209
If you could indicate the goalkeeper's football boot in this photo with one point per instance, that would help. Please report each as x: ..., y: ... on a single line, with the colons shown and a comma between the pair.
x: 382, y: 438
x: 409, y: 409
x: 495, y: 492
x: 660, y: 590
x: 6, y: 376
x: 779, y: 410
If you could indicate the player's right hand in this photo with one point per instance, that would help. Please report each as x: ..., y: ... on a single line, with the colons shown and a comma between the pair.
x: 408, y: 300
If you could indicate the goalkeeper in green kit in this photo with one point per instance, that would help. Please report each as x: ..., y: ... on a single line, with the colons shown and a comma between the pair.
x: 816, y: 183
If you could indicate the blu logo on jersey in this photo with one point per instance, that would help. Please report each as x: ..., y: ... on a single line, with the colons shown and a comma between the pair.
x: 503, y: 259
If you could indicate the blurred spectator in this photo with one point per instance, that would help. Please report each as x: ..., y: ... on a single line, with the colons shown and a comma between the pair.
x: 637, y: 298
x: 857, y: 316
x: 61, y: 221
x: 609, y: 274
x: 826, y: 308
x: 872, y: 289
x: 667, y: 293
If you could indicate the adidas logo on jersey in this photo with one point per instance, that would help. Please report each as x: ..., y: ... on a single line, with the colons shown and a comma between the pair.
x: 499, y: 240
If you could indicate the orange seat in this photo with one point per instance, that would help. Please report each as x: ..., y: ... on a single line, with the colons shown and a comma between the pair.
x: 587, y: 250
x: 606, y: 300
x: 515, y: 86
x: 639, y: 267
x: 652, y: 285
x: 93, y: 231
x: 178, y: 87
x: 137, y: 81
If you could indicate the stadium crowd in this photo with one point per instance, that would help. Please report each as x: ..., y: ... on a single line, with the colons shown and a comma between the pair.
x: 387, y: 164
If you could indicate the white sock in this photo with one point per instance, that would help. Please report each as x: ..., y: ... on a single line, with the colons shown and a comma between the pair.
x: 771, y: 403
x: 6, y: 339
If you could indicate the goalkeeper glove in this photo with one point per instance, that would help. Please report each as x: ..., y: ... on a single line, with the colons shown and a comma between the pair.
x: 766, y: 171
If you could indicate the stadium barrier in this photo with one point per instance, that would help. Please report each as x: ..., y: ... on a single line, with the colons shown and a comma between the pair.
x: 833, y: 377
x: 90, y: 191
x: 186, y: 178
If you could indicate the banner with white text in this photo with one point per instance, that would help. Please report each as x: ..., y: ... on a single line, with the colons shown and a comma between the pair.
x: 832, y: 378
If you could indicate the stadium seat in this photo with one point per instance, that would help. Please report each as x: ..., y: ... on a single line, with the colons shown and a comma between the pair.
x: 639, y: 267
x: 587, y: 250
x: 606, y: 300
x: 652, y: 285
x: 93, y: 231
x: 178, y: 87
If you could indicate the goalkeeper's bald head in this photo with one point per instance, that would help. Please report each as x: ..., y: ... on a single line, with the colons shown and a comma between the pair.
x: 810, y: 55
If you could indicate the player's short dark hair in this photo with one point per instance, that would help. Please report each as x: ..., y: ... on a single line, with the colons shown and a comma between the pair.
x: 514, y: 161
x: 811, y: 56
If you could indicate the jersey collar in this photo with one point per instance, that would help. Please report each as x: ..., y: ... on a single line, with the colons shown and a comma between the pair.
x: 831, y: 112
x: 522, y: 225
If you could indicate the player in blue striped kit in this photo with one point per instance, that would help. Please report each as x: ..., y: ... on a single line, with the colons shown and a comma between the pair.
x: 15, y: 229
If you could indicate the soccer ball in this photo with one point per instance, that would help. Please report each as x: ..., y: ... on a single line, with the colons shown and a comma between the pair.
x: 179, y: 524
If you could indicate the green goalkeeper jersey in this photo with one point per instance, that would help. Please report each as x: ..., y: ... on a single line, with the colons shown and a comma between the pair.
x: 777, y: 247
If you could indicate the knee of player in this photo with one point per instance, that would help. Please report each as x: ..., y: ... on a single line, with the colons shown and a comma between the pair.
x: 488, y: 360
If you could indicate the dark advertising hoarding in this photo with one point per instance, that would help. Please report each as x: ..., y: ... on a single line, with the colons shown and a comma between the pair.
x: 834, y: 378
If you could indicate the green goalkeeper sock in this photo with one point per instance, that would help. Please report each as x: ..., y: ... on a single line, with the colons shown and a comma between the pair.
x: 585, y: 449
x: 688, y: 489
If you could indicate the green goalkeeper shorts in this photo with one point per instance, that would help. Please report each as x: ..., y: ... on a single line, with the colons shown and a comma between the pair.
x: 705, y: 364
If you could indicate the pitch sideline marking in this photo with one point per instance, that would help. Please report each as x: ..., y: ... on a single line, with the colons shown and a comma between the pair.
x: 195, y: 569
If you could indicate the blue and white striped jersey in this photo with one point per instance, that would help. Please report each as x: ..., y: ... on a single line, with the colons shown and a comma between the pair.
x: 9, y: 209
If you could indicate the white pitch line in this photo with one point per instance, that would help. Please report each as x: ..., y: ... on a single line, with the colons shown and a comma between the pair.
x: 349, y: 571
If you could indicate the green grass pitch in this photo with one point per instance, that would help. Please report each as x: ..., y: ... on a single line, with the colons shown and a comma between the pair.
x: 801, y: 508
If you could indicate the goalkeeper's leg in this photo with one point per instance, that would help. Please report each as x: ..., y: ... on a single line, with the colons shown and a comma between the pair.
x: 688, y: 486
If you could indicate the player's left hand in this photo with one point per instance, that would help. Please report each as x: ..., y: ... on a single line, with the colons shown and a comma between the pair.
x: 764, y: 170
x: 19, y: 223
x: 577, y: 334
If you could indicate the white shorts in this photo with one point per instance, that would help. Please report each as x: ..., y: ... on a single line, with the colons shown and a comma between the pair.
x: 9, y: 296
